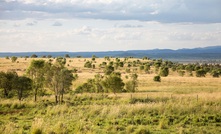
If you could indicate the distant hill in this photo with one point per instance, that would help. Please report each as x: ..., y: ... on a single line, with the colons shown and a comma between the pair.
x: 206, y: 53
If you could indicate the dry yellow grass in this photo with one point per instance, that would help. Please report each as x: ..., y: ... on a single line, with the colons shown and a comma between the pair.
x: 171, y: 84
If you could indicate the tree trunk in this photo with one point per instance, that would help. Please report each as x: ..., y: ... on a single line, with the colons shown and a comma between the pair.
x: 59, y: 98
x: 5, y: 93
x: 19, y: 94
x: 35, y: 95
x: 56, y: 99
x: 62, y: 95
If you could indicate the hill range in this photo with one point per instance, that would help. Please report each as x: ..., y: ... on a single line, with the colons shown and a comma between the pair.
x: 195, y: 54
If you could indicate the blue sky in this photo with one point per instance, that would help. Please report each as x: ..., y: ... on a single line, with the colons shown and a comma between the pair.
x: 103, y: 25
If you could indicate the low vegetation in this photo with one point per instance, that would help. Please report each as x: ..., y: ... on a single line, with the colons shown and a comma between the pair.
x: 108, y: 95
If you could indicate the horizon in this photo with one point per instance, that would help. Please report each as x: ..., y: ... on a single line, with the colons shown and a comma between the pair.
x: 108, y: 25
x: 113, y: 50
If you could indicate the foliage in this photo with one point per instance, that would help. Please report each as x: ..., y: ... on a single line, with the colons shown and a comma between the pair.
x: 164, y: 71
x: 34, y: 56
x: 216, y: 73
x: 67, y: 56
x: 7, y: 81
x: 200, y: 73
x: 88, y: 64
x: 36, y: 72
x: 59, y: 78
x: 132, y: 84
x: 113, y: 83
x: 108, y: 69
x: 22, y: 84
x: 157, y: 78
x: 14, y: 58
x: 181, y: 73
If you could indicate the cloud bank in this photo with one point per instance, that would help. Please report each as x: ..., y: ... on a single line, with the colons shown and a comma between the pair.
x: 167, y: 11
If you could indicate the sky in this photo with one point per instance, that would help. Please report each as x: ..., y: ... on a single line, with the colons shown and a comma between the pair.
x: 108, y: 25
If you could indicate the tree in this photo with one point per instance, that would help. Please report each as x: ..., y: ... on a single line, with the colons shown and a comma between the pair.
x: 34, y: 56
x: 98, y: 83
x: 113, y: 83
x: 157, y: 78
x: 216, y: 73
x: 181, y: 73
x: 164, y: 71
x: 200, y: 73
x: 7, y: 81
x: 157, y: 65
x: 88, y: 64
x: 49, y: 56
x: 108, y: 69
x: 131, y: 86
x: 147, y: 68
x: 141, y: 67
x: 67, y: 56
x: 22, y: 84
x: 36, y: 72
x: 66, y: 78
x: 59, y: 78
x: 14, y: 58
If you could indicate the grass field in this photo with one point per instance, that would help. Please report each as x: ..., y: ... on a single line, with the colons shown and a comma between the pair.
x: 176, y: 105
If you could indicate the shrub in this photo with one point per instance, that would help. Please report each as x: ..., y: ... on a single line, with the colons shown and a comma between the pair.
x: 157, y: 78
x: 88, y: 64
x: 37, y: 131
x: 200, y: 73
x: 164, y: 71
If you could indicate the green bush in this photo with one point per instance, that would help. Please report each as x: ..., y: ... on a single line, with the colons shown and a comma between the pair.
x: 157, y: 78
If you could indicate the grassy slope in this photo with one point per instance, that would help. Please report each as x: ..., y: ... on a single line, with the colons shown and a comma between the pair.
x: 176, y: 105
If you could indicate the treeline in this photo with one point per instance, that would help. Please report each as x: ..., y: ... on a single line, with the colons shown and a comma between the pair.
x: 40, y: 75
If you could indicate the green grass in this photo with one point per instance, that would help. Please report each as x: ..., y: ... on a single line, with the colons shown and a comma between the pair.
x: 178, y: 105
x: 109, y: 113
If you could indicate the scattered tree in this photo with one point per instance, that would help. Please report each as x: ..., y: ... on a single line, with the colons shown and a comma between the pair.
x: 114, y: 83
x: 7, y: 81
x: 164, y: 71
x: 200, y: 73
x: 36, y: 73
x: 131, y: 85
x: 22, y: 84
x: 157, y: 78
x: 34, y: 56
x: 14, y: 58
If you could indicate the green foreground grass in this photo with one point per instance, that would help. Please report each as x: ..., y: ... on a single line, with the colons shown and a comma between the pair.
x: 109, y: 113
x: 177, y: 105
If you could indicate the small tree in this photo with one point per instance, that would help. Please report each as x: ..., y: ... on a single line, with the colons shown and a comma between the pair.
x: 88, y: 64
x: 215, y: 73
x: 34, y: 56
x: 108, y: 69
x: 147, y: 68
x: 7, y: 81
x: 131, y: 86
x: 181, y: 73
x: 49, y: 56
x: 67, y: 56
x: 14, y: 58
x: 200, y: 73
x: 113, y: 83
x: 22, y: 84
x: 59, y: 78
x: 36, y: 73
x: 157, y: 79
x: 164, y: 71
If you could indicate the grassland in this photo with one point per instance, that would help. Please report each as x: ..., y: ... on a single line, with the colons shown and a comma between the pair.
x: 175, y: 105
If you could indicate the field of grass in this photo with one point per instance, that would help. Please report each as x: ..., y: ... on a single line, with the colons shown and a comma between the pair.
x: 176, y: 105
